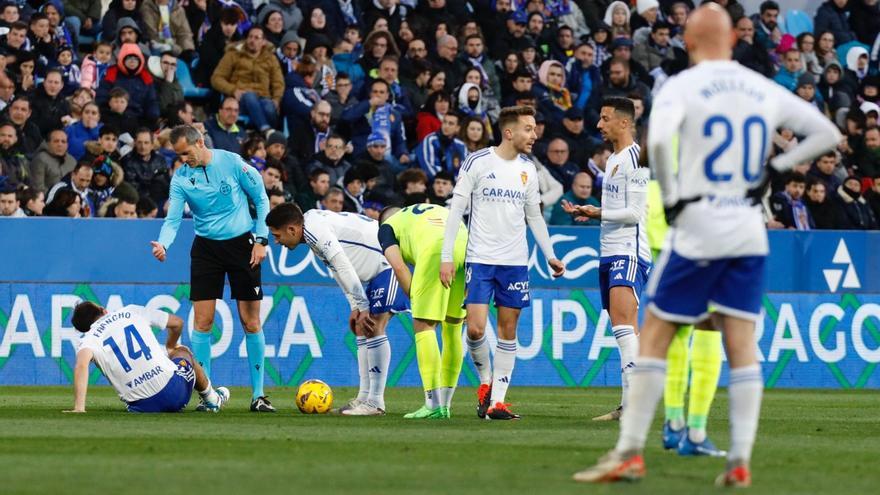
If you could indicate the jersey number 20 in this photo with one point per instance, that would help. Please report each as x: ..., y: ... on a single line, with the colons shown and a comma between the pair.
x: 132, y: 339
x: 722, y: 124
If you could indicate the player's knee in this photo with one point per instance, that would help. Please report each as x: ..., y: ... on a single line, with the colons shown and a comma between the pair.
x: 204, y: 322
x: 251, y: 326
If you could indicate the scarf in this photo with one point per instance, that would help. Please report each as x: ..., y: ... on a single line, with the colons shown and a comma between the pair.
x: 560, y: 97
x: 381, y: 122
x: 164, y: 30
x: 348, y: 12
x: 477, y: 63
x: 258, y: 163
x: 320, y: 137
x: 799, y: 212
x: 597, y: 173
x: 287, y: 64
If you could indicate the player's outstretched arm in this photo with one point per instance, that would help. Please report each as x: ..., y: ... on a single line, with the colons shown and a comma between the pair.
x: 81, y: 380
x: 176, y: 202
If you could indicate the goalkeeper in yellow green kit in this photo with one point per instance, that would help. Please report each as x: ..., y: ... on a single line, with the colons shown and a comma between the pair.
x: 414, y: 236
x: 700, y: 355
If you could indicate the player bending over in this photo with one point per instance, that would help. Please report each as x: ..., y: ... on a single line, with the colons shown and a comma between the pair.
x: 717, y: 243
x: 147, y: 377
x: 625, y: 259
x: 500, y: 184
x: 347, y: 243
x: 414, y: 236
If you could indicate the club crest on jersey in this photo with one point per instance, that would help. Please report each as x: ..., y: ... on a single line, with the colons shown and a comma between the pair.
x: 614, y: 171
x: 524, y: 176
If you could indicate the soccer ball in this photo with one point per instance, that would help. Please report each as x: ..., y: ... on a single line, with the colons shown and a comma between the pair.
x: 314, y: 397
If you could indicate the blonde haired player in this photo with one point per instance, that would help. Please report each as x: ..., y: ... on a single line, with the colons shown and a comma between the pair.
x: 500, y: 184
x: 716, y: 248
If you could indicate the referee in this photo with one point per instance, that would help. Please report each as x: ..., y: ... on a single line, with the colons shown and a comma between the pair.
x: 216, y: 185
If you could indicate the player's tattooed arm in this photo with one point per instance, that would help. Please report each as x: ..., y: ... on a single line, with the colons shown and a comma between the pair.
x: 81, y: 380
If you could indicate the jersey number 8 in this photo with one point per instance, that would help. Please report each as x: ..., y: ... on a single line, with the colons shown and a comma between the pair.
x: 750, y: 173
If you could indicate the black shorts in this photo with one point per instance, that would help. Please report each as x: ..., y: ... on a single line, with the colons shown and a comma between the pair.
x: 213, y: 260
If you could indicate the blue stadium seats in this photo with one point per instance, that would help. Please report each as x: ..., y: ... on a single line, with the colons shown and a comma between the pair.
x: 190, y: 90
x: 797, y: 22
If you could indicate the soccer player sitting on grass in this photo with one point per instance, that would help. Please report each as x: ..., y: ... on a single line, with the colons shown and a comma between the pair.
x: 414, y: 236
x: 147, y: 377
x: 348, y: 244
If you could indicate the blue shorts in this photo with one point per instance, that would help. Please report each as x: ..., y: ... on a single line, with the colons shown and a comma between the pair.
x: 174, y: 396
x: 509, y: 284
x: 386, y: 295
x: 621, y: 271
x: 681, y: 290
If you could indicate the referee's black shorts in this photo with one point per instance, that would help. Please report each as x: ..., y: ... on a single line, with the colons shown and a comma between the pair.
x: 213, y: 260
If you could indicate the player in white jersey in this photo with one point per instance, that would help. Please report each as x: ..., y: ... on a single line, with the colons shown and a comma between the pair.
x: 501, y: 187
x: 625, y: 256
x: 717, y: 243
x: 147, y: 376
x: 348, y: 244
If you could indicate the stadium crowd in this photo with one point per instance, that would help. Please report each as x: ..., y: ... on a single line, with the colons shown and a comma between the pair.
x: 353, y: 105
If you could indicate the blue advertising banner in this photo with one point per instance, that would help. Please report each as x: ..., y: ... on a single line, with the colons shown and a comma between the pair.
x: 821, y: 327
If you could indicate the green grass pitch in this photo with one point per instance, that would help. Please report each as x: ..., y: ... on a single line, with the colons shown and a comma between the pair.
x: 808, y: 442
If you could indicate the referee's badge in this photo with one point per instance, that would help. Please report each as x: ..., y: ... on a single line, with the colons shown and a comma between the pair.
x: 224, y: 188
x: 524, y: 176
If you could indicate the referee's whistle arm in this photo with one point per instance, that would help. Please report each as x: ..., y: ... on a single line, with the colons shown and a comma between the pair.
x: 158, y: 250
x: 258, y: 254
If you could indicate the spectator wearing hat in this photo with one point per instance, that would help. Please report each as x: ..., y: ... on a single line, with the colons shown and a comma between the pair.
x: 442, y: 150
x: 131, y: 74
x: 621, y: 49
x: 766, y: 22
x: 294, y: 176
x: 440, y: 192
x: 13, y: 164
x: 747, y: 52
x: 581, y: 194
x: 554, y: 99
x: 374, y: 158
x: 288, y: 52
x: 833, y: 90
x: 852, y: 211
x: 128, y: 31
x: 656, y: 49
x: 249, y: 72
x: 806, y: 89
x: 51, y: 162
x: 515, y: 37
x: 373, y: 209
x: 617, y: 17
x: 573, y: 131
x: 818, y: 205
x: 646, y: 15
x: 834, y: 16
x: 353, y: 191
x: 332, y: 159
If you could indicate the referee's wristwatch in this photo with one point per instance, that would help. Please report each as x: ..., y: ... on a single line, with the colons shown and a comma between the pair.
x: 261, y: 240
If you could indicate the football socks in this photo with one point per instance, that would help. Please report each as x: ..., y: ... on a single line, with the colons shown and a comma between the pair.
x: 677, y: 377
x: 745, y: 390
x: 256, y: 356
x: 505, y: 358
x: 479, y: 350
x: 645, y: 390
x: 379, y: 360
x: 628, y: 343
x: 363, y: 369
x: 201, y: 348
x: 428, y: 357
x: 705, y: 370
x: 450, y: 360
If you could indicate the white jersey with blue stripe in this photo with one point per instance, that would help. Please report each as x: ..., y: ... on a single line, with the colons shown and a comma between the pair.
x: 624, y: 180
x: 497, y: 191
x: 124, y: 348
x: 328, y: 233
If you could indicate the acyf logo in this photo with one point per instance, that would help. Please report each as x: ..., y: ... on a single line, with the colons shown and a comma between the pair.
x: 519, y: 286
x: 847, y: 272
x: 618, y: 265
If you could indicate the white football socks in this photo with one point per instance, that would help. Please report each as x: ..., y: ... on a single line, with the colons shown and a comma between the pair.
x: 745, y: 390
x: 505, y: 358
x: 645, y: 391
x: 363, y: 369
x: 628, y: 343
x: 480, y: 355
x: 378, y: 363
x: 209, y: 395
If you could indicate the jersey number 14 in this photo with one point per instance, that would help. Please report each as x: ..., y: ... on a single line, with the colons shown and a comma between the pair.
x: 132, y: 339
x: 722, y: 124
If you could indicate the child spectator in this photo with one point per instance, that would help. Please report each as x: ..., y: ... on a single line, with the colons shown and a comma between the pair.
x: 71, y: 75
x: 95, y: 65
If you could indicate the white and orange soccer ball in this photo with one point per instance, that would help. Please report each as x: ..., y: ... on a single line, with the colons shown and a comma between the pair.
x: 314, y: 397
